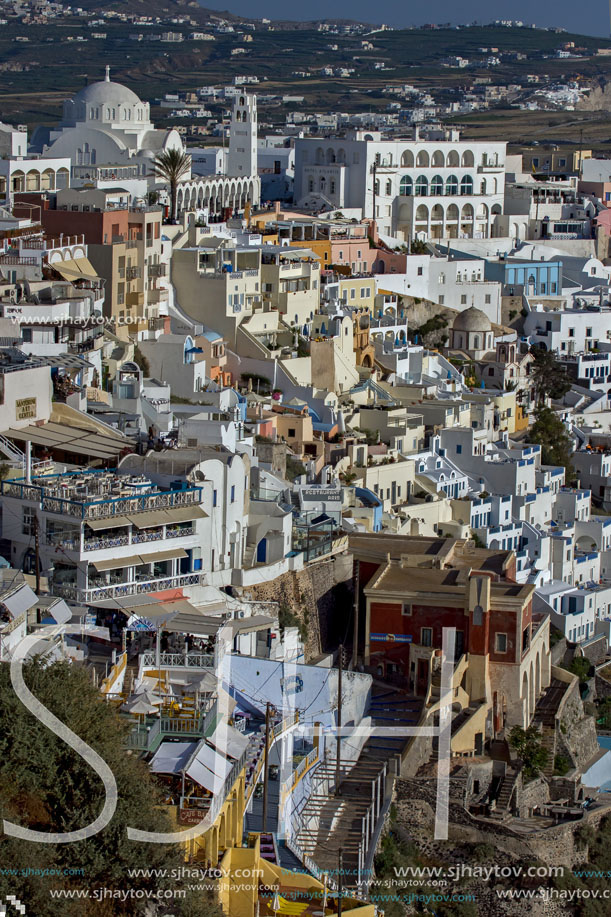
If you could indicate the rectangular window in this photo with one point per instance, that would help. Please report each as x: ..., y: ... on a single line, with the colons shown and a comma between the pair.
x: 463, y: 300
x: 500, y: 643
x: 406, y: 609
x: 233, y: 493
x: 458, y: 450
x: 291, y: 431
x: 488, y: 299
x: 28, y: 517
x: 214, y: 497
x: 442, y: 299
x: 571, y: 332
x: 426, y: 636
x: 420, y: 271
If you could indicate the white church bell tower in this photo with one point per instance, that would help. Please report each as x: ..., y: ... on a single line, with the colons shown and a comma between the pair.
x: 242, y: 159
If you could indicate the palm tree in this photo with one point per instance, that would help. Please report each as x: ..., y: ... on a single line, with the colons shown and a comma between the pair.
x: 170, y: 166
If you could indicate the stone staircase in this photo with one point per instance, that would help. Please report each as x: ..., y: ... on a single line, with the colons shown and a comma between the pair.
x: 545, y: 720
x: 548, y: 742
x: 503, y: 800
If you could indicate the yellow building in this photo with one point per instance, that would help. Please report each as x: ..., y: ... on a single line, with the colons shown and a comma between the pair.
x: 253, y: 887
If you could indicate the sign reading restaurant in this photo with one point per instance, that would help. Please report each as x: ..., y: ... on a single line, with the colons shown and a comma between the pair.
x: 25, y: 408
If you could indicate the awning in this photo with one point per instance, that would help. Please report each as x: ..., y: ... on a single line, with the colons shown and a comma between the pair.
x: 167, y: 516
x: 111, y: 522
x: 19, y: 600
x: 229, y: 741
x: 75, y: 269
x: 185, y: 513
x: 71, y: 439
x: 134, y: 561
x: 212, y: 760
x: 172, y: 757
x: 194, y: 624
x: 248, y: 625
x: 146, y: 520
x: 164, y: 555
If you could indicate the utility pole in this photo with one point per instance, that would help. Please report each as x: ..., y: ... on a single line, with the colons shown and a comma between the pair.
x: 339, y: 718
x: 37, y: 553
x: 340, y: 881
x: 355, y: 633
x: 266, y: 766
x: 581, y: 137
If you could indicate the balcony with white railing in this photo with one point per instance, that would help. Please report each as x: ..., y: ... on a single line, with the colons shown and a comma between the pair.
x: 176, y: 660
x: 141, y: 586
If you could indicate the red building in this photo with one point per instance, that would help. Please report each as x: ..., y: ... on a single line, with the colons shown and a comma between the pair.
x: 412, y: 588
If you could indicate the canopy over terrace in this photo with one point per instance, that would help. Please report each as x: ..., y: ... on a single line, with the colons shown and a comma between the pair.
x: 57, y: 437
x: 76, y: 269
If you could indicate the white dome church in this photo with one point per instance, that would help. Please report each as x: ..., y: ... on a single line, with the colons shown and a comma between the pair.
x: 106, y: 126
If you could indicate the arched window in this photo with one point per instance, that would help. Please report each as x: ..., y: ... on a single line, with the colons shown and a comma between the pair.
x: 436, y: 186
x: 422, y: 186
x: 438, y: 159
x: 453, y: 159
x: 476, y: 342
x: 320, y: 155
x: 407, y: 186
x: 467, y: 159
x: 389, y: 187
x: 466, y: 185
x: 311, y: 185
x: 407, y: 159
x: 452, y: 185
x: 482, y: 186
x: 422, y: 159
x: 242, y: 101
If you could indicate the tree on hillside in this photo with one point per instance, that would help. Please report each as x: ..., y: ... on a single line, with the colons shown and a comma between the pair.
x: 549, y: 432
x: 527, y: 743
x: 171, y: 166
x: 46, y: 786
x: 551, y: 380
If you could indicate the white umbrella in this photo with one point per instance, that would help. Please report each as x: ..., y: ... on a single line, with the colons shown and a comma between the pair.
x: 276, y: 902
x: 149, y: 696
x: 139, y: 706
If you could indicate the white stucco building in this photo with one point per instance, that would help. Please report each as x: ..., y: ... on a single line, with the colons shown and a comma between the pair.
x: 466, y: 178
x: 106, y: 127
x: 107, y: 134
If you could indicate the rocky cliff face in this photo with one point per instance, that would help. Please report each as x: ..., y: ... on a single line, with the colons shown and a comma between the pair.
x: 320, y: 596
x: 599, y: 98
x: 576, y: 734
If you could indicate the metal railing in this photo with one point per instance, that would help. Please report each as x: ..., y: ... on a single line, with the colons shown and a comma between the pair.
x: 100, y: 509
x: 145, y: 736
x: 178, y: 660
x: 136, y: 587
